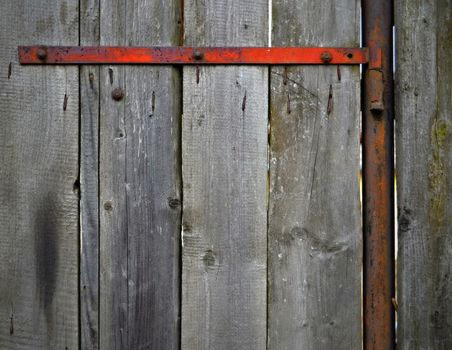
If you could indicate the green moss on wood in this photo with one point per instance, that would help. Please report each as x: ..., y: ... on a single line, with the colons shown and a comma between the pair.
x: 437, y: 173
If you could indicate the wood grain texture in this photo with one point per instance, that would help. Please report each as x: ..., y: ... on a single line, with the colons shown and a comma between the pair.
x: 424, y: 163
x: 224, y: 162
x: 140, y: 183
x: 89, y: 184
x: 314, y: 238
x: 39, y: 109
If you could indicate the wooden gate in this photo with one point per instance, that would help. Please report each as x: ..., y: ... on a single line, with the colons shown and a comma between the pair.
x: 218, y: 207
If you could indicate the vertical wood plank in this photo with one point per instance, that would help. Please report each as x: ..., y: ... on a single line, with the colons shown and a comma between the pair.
x: 113, y: 250
x: 314, y: 258
x: 140, y: 183
x: 224, y: 161
x: 424, y: 163
x: 39, y: 109
x: 89, y: 184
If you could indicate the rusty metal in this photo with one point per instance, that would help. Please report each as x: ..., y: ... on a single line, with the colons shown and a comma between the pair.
x: 190, y: 55
x: 198, y: 55
x: 326, y: 57
x: 41, y: 53
x: 376, y: 90
x: 378, y: 178
x: 117, y: 94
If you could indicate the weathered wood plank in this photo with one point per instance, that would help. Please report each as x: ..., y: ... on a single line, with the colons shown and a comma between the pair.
x: 140, y: 183
x: 314, y: 259
x: 39, y: 109
x: 424, y: 163
x: 224, y: 160
x: 89, y: 184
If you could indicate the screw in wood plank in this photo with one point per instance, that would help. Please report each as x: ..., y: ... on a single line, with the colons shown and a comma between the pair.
x: 41, y: 53
x: 198, y: 55
x: 326, y: 57
x: 117, y: 94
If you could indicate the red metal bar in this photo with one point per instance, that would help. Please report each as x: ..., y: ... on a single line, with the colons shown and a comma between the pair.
x: 378, y: 175
x: 190, y: 55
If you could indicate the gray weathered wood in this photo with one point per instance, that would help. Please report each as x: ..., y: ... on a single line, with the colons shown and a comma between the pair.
x: 89, y: 175
x: 39, y: 109
x: 139, y: 183
x: 224, y: 161
x: 424, y: 163
x: 314, y: 259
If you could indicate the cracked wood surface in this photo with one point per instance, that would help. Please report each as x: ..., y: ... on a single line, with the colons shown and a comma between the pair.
x: 139, y: 173
x: 89, y: 185
x: 224, y: 162
x: 314, y: 238
x: 424, y: 165
x: 39, y: 109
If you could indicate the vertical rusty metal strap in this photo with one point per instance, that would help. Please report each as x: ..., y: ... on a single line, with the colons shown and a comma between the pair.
x: 378, y: 176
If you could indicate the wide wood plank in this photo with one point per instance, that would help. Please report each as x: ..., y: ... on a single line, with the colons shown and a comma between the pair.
x: 224, y: 161
x: 314, y: 258
x: 39, y: 132
x: 89, y: 184
x: 139, y: 183
x: 424, y: 165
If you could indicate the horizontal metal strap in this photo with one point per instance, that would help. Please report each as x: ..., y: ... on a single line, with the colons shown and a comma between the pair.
x: 192, y: 55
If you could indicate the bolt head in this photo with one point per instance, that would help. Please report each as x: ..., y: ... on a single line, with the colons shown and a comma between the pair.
x: 198, y: 55
x: 117, y: 94
x: 326, y: 57
x: 41, y: 53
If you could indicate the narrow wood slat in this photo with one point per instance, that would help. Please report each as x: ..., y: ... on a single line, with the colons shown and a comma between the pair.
x: 424, y: 170
x: 89, y: 184
x: 314, y: 258
x: 224, y: 161
x: 139, y: 183
x: 39, y: 109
